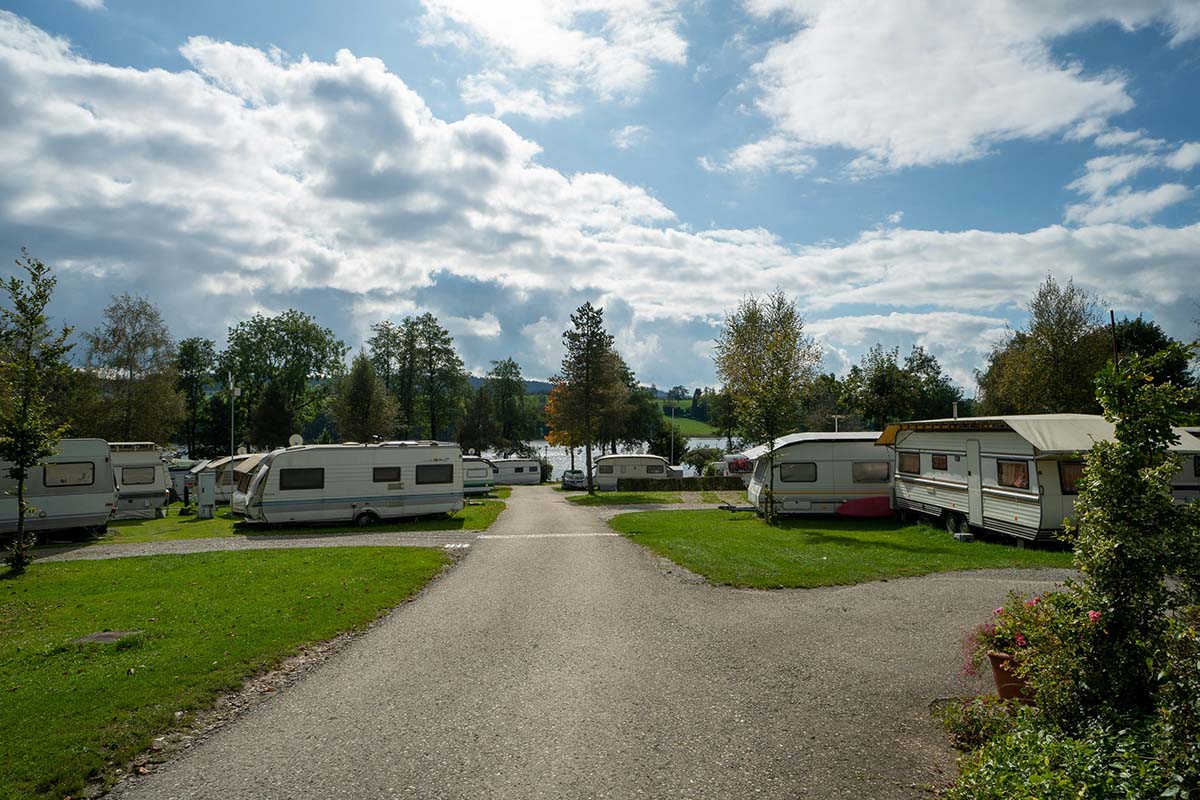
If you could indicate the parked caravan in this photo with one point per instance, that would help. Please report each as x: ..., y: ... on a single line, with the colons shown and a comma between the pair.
x: 74, y: 491
x: 178, y: 470
x: 141, y: 475
x: 359, y: 483
x: 1014, y: 475
x: 737, y: 464
x: 224, y: 467
x: 478, y: 475
x: 823, y: 473
x: 609, y: 469
x: 517, y: 470
x: 243, y: 473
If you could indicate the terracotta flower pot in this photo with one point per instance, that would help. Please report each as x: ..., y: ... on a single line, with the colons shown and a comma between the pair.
x: 1008, y: 685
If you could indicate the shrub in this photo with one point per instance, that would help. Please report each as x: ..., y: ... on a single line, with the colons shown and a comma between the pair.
x: 974, y: 721
x: 1179, y: 699
x: 693, y: 484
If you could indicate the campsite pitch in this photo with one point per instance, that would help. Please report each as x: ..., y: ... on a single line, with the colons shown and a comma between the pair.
x: 200, y: 624
x: 742, y: 550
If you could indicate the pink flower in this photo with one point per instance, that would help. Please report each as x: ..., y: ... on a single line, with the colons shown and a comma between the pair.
x: 1033, y: 601
x: 1021, y: 640
x: 1094, y: 616
x: 1000, y: 610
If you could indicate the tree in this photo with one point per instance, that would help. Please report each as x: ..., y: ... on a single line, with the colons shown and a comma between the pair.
x: 677, y: 393
x: 361, y: 404
x: 1048, y: 367
x: 194, y: 364
x: 700, y: 457
x: 881, y: 390
x: 766, y: 361
x: 31, y: 356
x: 586, y: 376
x: 289, y: 350
x: 441, y: 376
x: 827, y: 398
x: 670, y: 443
x: 273, y: 420
x: 643, y: 419
x: 1139, y: 337
x: 564, y: 429
x: 133, y: 355
x: 934, y: 395
x: 699, y: 410
x: 478, y: 430
x: 516, y: 421
x: 722, y: 415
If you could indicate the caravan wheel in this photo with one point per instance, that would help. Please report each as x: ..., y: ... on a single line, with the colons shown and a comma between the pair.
x: 366, y: 519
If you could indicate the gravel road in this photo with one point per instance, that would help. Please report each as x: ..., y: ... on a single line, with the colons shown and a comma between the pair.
x: 560, y: 661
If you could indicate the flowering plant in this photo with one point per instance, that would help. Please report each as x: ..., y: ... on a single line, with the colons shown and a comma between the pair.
x: 1024, y: 624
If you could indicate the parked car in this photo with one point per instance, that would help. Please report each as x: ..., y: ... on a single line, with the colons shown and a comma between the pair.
x: 574, y: 479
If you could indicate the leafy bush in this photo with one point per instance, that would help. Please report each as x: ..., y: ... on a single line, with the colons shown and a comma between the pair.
x: 693, y: 484
x: 974, y: 721
x: 1179, y: 699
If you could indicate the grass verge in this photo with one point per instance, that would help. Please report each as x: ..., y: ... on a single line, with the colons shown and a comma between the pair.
x: 477, y: 516
x: 711, y: 497
x: 207, y: 621
x: 626, y: 498
x: 742, y: 550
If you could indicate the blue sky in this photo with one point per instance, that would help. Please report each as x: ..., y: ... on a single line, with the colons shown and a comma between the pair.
x: 909, y: 172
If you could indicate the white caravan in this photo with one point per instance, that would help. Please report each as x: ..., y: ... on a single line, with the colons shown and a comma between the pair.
x: 517, y: 470
x: 142, y: 485
x: 75, y: 490
x: 1015, y: 475
x: 243, y: 473
x: 478, y: 475
x: 224, y: 467
x: 357, y: 483
x: 610, y: 469
x: 824, y: 473
x: 738, y: 465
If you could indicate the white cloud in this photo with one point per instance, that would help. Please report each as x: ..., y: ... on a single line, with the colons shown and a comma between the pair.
x: 630, y: 136
x: 1104, y: 173
x: 904, y: 84
x: 496, y: 90
x: 253, y: 181
x: 1186, y: 157
x: 1128, y: 205
x: 90, y: 5
x: 777, y: 153
x: 557, y: 48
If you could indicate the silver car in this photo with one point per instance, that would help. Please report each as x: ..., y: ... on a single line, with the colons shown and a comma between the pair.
x: 574, y: 479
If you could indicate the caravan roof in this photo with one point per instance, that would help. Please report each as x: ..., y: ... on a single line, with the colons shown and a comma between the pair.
x: 1050, y: 434
x: 133, y: 447
x: 755, y: 453
x: 249, y: 462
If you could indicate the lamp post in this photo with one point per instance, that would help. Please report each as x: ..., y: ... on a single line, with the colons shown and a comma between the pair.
x: 672, y: 435
x: 234, y: 393
x: 836, y: 419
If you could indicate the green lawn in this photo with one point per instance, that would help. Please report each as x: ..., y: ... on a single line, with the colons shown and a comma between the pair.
x: 207, y: 621
x: 711, y: 497
x: 687, y: 426
x: 741, y: 550
x: 477, y: 516
x: 626, y: 498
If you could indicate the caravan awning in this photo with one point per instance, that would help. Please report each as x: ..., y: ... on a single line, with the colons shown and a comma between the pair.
x: 249, y: 463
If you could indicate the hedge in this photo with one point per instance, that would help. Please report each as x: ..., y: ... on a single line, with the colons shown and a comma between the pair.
x: 713, y: 484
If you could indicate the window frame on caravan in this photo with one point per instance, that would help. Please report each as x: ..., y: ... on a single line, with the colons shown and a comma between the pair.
x: 286, y: 471
x: 1062, y: 478
x: 939, y: 458
x: 793, y: 464
x: 423, y: 469
x: 902, y: 456
x: 1022, y: 463
x: 127, y: 481
x: 655, y: 469
x: 375, y: 473
x: 91, y: 465
x: 887, y: 471
x: 604, y: 469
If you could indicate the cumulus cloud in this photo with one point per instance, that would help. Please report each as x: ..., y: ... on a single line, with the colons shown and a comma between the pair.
x: 90, y: 5
x: 542, y: 53
x: 1186, y: 157
x: 1129, y: 205
x: 903, y: 84
x: 253, y: 181
x: 630, y: 136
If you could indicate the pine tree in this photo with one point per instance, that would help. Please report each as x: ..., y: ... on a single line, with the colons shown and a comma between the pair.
x: 362, y: 405
x: 585, y: 375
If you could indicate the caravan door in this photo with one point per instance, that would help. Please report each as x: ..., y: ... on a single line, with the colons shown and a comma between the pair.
x: 974, y: 484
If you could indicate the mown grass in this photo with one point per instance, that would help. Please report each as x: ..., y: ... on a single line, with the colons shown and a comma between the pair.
x: 477, y: 516
x: 687, y: 426
x: 207, y: 621
x: 626, y: 498
x: 710, y: 497
x: 741, y: 550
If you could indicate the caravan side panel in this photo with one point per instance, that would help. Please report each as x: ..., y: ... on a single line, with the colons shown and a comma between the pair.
x: 74, y: 491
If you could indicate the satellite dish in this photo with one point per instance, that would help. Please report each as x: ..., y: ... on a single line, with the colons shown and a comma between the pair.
x: 295, y: 440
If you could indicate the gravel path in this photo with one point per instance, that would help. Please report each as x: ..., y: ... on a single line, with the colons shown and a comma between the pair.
x: 560, y: 661
x: 381, y: 538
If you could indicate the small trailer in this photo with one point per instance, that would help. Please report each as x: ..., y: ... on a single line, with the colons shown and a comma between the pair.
x: 517, y: 470
x: 359, y: 483
x: 74, y: 492
x: 610, y: 469
x: 1012, y: 475
x: 823, y: 473
x: 243, y: 473
x: 142, y: 485
x: 479, y: 475
x: 738, y: 465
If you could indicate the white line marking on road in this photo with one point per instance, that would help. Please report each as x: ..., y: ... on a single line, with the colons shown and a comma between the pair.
x: 541, y: 535
x: 456, y: 546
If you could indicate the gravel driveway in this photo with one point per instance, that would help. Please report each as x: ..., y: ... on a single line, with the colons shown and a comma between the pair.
x: 560, y: 661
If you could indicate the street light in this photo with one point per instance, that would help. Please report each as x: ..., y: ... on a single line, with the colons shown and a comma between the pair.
x: 672, y: 435
x: 837, y: 417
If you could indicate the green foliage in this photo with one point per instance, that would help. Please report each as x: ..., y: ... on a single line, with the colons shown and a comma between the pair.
x: 880, y: 390
x: 1179, y: 697
x: 133, y: 356
x: 362, y: 406
x: 1048, y: 366
x: 208, y: 621
x: 701, y: 457
x: 722, y: 415
x: 478, y: 430
x: 975, y: 721
x: 589, y: 383
x: 441, y: 377
x: 669, y: 442
x: 32, y: 357
x: 195, y: 361
x: 515, y: 420
x: 274, y: 420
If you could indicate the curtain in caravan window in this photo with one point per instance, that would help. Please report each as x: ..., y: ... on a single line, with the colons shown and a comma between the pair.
x: 1013, y: 473
x: 81, y: 473
x: 1069, y: 473
x: 805, y: 472
x: 871, y: 471
x: 910, y: 463
x: 137, y: 476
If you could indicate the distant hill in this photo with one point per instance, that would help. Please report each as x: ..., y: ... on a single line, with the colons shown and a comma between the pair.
x: 531, y: 387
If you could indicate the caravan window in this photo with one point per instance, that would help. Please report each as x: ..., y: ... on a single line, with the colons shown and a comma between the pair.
x: 910, y: 463
x: 301, y: 478
x: 477, y: 473
x: 435, y: 473
x: 760, y: 470
x: 871, y: 471
x: 940, y: 462
x: 385, y: 474
x: 1069, y: 473
x: 518, y: 469
x: 805, y: 472
x: 604, y: 469
x: 654, y: 469
x: 1013, y: 473
x: 137, y: 476
x: 80, y: 473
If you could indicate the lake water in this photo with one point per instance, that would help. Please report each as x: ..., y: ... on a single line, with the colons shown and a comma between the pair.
x: 560, y: 457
